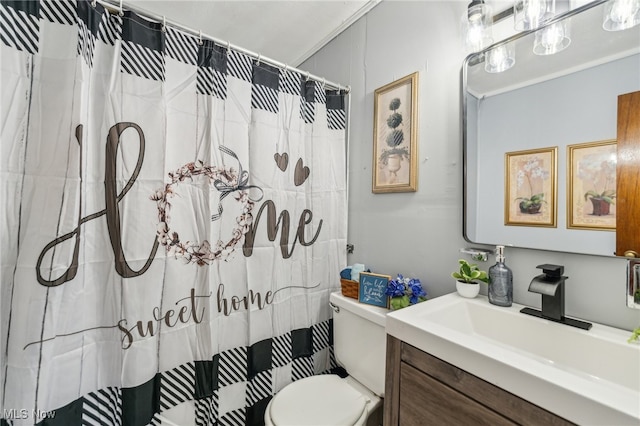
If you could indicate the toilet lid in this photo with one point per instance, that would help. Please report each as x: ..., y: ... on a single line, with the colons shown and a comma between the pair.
x: 318, y: 400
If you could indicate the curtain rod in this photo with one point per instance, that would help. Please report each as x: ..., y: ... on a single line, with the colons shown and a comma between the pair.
x: 116, y: 6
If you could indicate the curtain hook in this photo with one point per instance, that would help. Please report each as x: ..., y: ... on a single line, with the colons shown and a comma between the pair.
x: 286, y: 68
x: 228, y: 47
x: 308, y: 74
x: 164, y: 24
x: 259, y: 57
x: 94, y: 3
x: 323, y: 82
x: 121, y: 11
x: 200, y: 37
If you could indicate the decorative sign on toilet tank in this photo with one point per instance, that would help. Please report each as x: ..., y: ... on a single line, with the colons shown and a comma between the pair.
x: 372, y: 289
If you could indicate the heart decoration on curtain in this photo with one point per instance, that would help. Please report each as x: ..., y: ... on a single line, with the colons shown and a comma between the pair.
x: 282, y: 160
x: 301, y: 174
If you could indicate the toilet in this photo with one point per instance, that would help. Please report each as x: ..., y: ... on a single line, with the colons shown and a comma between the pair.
x: 359, y: 343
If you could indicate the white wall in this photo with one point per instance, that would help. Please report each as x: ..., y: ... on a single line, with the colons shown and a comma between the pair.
x: 419, y: 234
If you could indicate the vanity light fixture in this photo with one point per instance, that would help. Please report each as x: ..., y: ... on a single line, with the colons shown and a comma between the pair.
x: 556, y: 37
x: 529, y: 14
x: 621, y: 15
x: 477, y: 26
x: 552, y: 39
x: 500, y: 58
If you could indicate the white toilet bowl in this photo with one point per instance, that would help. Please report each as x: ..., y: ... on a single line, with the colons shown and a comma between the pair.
x: 359, y: 341
x: 322, y: 401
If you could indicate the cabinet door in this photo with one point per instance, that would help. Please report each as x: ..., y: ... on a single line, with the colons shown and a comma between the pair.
x: 628, y: 176
x: 425, y: 401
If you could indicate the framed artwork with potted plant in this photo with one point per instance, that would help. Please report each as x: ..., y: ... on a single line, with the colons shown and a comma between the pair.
x: 592, y: 185
x: 530, y: 187
x: 395, y: 127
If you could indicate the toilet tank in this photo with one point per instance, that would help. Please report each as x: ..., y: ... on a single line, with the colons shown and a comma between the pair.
x: 359, y: 341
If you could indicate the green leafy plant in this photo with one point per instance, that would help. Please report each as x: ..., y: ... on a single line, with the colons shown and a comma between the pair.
x: 635, y: 336
x: 607, y: 195
x: 470, y: 273
x: 531, y: 205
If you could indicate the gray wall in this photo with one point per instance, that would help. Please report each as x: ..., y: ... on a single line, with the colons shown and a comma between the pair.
x: 420, y: 234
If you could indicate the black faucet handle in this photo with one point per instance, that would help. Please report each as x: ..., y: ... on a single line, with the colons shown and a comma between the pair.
x: 551, y: 270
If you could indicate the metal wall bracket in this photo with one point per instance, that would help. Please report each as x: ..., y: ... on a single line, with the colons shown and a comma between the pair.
x: 477, y: 254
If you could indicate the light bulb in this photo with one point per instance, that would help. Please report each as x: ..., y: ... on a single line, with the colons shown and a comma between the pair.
x: 621, y: 15
x: 500, y: 59
x: 552, y: 39
x: 528, y: 14
x: 477, y: 26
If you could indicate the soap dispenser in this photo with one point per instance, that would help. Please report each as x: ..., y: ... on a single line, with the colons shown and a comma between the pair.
x: 500, y: 281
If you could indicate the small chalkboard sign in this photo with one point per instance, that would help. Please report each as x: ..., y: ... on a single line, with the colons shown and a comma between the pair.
x: 372, y: 289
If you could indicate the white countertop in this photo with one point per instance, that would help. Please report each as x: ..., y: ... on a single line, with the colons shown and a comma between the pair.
x: 586, y: 376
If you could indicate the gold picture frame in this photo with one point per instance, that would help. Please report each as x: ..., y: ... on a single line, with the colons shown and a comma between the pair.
x: 591, y: 185
x: 395, y: 127
x: 530, y: 187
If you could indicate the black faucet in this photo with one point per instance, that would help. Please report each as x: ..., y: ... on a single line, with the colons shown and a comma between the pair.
x: 550, y: 285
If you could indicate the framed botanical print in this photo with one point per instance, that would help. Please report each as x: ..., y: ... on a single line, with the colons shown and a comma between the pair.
x: 530, y: 187
x: 395, y: 127
x: 591, y: 192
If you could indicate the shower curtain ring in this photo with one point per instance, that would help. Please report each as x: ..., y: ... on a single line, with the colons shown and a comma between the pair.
x: 307, y: 77
x: 121, y: 11
x: 259, y: 57
x: 94, y: 3
x: 164, y: 24
x: 228, y: 47
x: 200, y: 37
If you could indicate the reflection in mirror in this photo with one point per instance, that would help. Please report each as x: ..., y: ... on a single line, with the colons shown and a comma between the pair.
x: 542, y: 102
x: 633, y: 283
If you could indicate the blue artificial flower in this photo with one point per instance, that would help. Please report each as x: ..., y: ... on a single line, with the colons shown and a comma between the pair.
x: 416, y: 291
x: 405, y: 291
x: 416, y: 288
x: 395, y: 289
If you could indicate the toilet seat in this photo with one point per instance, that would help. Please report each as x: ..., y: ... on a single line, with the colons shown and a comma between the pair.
x: 318, y: 400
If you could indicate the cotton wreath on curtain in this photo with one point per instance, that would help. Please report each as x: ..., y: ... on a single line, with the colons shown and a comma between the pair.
x: 174, y: 221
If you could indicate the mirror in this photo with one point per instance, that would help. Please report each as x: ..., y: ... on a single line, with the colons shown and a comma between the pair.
x: 543, y: 102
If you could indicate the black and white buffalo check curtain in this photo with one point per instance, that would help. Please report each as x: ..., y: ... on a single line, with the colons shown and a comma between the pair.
x: 174, y: 219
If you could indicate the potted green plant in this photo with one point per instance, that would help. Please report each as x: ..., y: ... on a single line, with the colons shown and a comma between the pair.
x: 468, y: 278
x: 601, y: 201
x: 531, y: 205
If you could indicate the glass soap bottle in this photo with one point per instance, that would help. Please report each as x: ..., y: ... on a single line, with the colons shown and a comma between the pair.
x: 500, y: 281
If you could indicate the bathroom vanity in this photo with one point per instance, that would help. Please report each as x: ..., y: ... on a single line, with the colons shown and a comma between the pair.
x: 453, y: 360
x: 424, y: 390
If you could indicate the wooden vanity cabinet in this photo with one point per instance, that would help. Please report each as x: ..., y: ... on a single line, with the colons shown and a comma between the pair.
x: 421, y: 390
x: 628, y: 176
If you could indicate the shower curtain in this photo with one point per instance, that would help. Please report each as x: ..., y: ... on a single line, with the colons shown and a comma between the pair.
x: 173, y: 221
